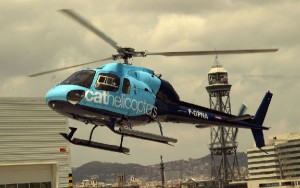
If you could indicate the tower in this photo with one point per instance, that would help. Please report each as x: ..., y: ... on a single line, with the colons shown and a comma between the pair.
x: 121, y: 180
x: 223, y: 143
x: 162, y: 172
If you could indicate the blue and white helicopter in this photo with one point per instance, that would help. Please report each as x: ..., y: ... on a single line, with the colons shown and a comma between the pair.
x: 121, y: 96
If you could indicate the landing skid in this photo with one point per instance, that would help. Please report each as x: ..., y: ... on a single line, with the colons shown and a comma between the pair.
x: 92, y: 144
x: 145, y: 136
x: 121, y: 131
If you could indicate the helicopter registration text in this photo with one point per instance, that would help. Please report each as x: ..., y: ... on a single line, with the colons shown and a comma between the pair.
x: 197, y: 113
x: 139, y: 107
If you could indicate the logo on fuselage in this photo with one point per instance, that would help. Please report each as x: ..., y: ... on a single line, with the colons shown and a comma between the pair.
x: 121, y: 101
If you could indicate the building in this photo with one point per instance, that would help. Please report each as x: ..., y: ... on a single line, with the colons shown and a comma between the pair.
x: 193, y: 183
x: 277, y: 164
x: 32, y: 153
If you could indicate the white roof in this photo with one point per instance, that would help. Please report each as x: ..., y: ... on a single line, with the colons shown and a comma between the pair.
x: 217, y: 69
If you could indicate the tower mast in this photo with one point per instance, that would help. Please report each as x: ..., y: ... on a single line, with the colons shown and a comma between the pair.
x: 223, y: 143
x: 162, y: 171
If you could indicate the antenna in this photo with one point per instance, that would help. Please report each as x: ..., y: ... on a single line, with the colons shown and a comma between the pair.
x: 162, y: 171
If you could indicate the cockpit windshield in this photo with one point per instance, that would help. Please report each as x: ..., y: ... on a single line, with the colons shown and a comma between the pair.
x: 82, y: 78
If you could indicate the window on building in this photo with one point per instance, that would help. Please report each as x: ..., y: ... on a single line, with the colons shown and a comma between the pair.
x: 46, y: 185
x: 287, y: 183
x: 11, y: 185
x: 108, y: 82
x: 269, y: 185
x: 263, y: 167
x: 27, y: 185
x: 259, y: 151
x: 212, y: 79
x: 126, y: 86
x: 256, y: 157
x: 35, y: 185
x: 262, y: 162
x: 23, y: 185
x: 223, y: 78
x: 262, y: 173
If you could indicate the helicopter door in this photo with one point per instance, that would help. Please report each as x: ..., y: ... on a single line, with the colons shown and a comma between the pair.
x: 141, y: 99
x: 107, y: 95
x: 127, y: 93
x: 126, y: 86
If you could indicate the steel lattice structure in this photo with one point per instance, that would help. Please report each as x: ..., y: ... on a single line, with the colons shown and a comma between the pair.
x: 223, y: 146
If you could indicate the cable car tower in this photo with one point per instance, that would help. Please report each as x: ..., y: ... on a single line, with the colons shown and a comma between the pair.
x: 223, y: 140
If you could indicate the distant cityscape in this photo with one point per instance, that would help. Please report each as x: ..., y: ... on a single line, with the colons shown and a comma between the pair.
x: 276, y: 165
x: 181, y: 169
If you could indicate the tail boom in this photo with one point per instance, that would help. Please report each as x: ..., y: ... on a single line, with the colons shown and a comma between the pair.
x: 183, y: 112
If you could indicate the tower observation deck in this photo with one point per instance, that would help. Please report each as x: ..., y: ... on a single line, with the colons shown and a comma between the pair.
x: 223, y: 143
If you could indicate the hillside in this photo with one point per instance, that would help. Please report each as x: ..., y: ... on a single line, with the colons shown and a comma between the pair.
x: 108, y: 172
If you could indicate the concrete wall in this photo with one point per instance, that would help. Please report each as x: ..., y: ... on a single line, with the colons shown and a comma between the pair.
x: 30, y: 146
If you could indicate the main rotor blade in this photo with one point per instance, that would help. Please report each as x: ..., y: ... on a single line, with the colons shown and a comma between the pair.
x: 75, y: 16
x: 215, y: 52
x: 64, y: 68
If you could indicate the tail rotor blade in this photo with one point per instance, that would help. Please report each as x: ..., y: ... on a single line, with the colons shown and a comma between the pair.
x: 242, y: 111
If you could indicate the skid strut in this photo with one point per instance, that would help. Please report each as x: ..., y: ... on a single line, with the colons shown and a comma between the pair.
x: 121, y: 131
x: 144, y: 135
x: 92, y: 144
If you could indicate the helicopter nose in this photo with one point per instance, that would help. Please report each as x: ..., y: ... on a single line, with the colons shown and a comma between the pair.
x: 64, y: 94
x: 57, y: 93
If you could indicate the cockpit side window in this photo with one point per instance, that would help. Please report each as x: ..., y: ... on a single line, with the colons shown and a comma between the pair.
x: 126, y: 86
x: 82, y: 78
x: 107, y: 82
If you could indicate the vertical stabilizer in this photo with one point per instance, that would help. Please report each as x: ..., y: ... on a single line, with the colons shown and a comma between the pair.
x: 259, y: 119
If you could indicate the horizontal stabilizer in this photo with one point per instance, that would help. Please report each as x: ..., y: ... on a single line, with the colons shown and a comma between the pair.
x: 240, y: 118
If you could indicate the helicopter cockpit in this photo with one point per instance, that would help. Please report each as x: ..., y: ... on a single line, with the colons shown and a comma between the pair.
x: 105, y: 81
x: 82, y: 78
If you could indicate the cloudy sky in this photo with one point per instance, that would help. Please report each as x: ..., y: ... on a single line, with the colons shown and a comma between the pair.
x: 36, y: 37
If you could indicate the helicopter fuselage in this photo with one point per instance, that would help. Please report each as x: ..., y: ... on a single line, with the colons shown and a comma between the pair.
x: 121, y: 93
x: 125, y: 96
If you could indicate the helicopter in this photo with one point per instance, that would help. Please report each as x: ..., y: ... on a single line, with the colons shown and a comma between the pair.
x: 120, y: 96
